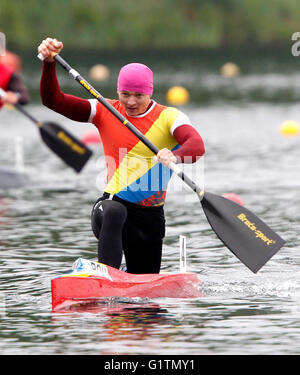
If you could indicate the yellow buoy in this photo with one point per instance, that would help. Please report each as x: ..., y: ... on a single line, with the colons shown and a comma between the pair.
x: 99, y: 72
x: 289, y: 127
x: 177, y: 95
x: 230, y: 70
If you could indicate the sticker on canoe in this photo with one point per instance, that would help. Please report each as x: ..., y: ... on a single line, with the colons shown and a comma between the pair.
x: 88, y: 267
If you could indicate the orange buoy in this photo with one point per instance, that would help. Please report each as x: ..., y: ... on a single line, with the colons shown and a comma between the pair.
x: 234, y: 197
x: 99, y: 72
x: 230, y: 70
x: 91, y: 136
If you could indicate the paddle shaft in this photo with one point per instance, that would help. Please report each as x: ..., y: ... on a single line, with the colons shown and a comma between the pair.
x: 21, y: 109
x: 126, y: 122
x: 28, y: 115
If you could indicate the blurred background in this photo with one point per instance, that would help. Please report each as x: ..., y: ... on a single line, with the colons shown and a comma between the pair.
x: 185, y: 42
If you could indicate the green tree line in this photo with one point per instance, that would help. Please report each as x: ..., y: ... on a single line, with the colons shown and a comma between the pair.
x: 152, y: 24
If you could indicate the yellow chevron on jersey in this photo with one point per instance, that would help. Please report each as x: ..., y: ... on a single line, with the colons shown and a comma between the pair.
x: 139, y: 160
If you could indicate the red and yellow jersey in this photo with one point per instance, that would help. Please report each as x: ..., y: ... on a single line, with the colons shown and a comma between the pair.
x: 132, y: 174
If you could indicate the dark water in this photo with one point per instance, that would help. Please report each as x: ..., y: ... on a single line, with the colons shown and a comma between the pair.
x: 45, y: 226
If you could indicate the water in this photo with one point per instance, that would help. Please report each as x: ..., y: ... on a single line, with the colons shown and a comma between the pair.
x: 45, y: 226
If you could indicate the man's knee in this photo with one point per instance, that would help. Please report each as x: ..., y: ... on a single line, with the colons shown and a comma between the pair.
x: 108, y: 211
x: 114, y: 212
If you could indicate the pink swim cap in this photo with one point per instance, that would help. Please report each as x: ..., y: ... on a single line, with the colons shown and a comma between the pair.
x: 136, y: 77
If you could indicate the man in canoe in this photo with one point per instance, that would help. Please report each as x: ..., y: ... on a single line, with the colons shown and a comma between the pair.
x: 129, y: 216
x: 11, y: 82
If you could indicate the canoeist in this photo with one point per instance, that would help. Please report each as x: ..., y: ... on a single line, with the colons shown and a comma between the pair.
x: 129, y: 216
x: 12, y: 83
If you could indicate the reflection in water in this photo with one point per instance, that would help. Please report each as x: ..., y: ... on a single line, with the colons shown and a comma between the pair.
x: 123, y: 315
x: 138, y: 322
x: 125, y: 320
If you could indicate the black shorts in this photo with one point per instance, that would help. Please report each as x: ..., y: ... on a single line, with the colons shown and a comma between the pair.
x: 136, y: 230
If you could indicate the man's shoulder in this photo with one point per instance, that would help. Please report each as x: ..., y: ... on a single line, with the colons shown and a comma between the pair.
x: 170, y: 113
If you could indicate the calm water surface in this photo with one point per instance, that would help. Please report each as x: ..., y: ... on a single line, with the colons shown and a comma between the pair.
x: 45, y: 227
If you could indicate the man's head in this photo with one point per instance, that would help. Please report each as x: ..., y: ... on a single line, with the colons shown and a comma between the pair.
x: 11, y: 60
x: 135, y: 87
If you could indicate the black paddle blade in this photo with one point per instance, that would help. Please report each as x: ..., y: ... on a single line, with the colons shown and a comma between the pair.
x: 248, y: 237
x: 73, y: 152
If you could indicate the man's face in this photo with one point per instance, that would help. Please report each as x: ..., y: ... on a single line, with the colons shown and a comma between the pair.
x: 134, y: 103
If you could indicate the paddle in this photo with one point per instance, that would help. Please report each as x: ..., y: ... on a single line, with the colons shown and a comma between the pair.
x: 245, y: 235
x: 73, y: 152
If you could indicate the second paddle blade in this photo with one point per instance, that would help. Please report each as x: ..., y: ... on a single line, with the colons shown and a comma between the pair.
x: 73, y: 152
x: 247, y: 236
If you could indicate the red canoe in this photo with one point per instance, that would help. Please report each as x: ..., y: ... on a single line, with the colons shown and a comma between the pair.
x: 90, y: 281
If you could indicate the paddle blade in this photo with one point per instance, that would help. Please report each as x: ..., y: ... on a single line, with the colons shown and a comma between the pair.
x: 248, y: 237
x: 73, y: 152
